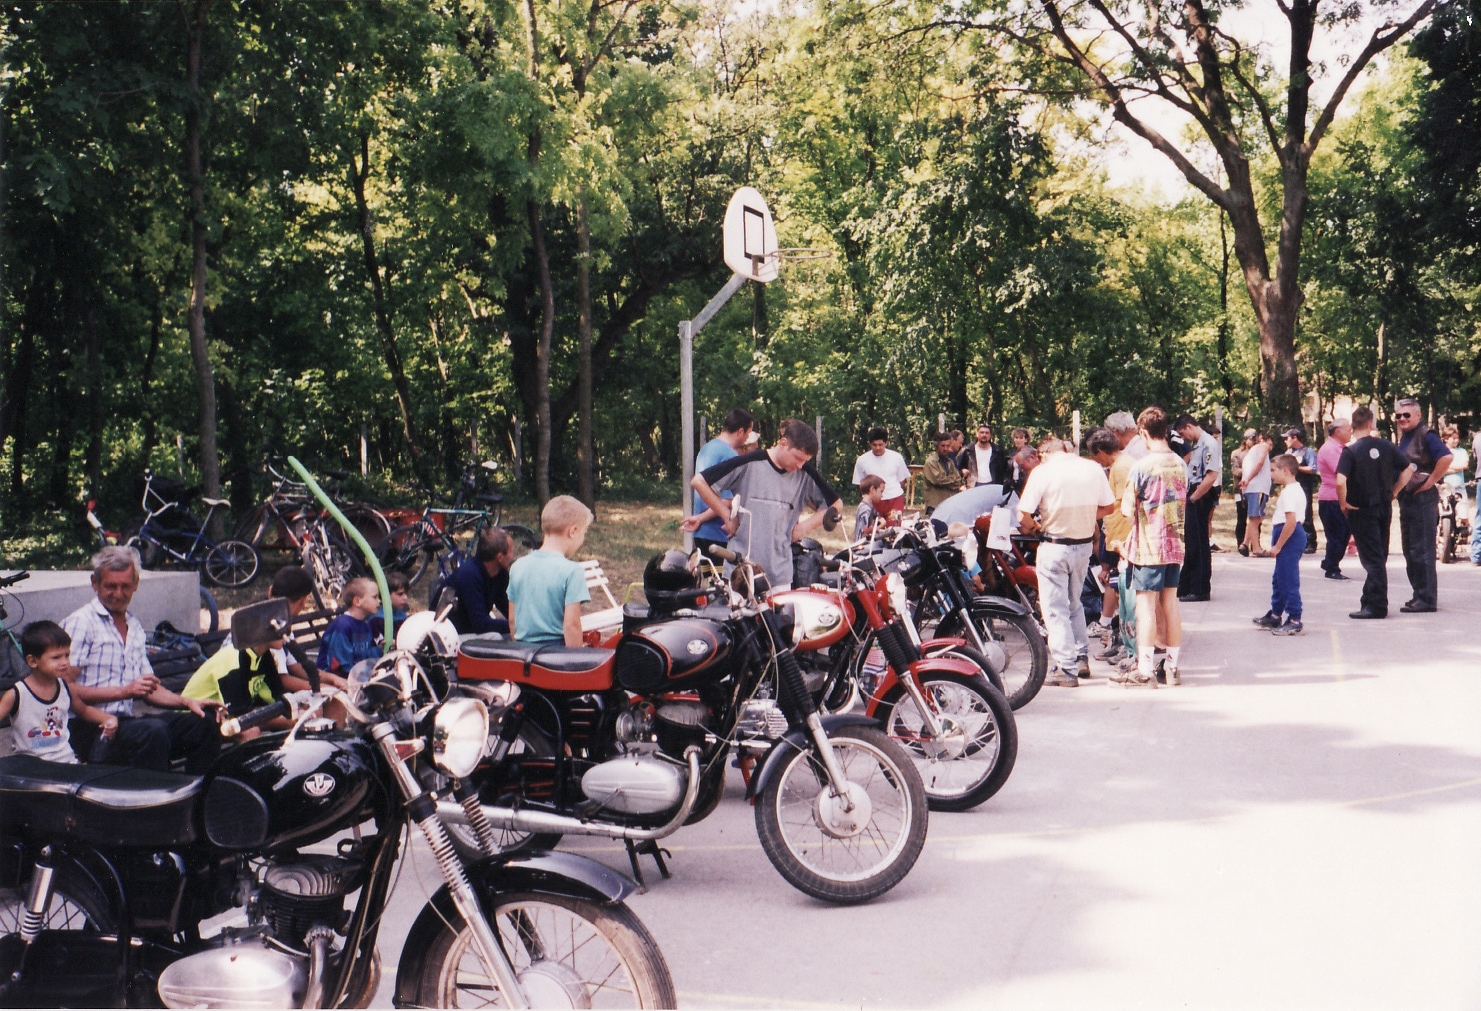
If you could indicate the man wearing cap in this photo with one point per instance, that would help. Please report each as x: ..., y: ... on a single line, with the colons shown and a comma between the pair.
x: 1334, y: 522
x: 1306, y: 477
x: 1419, y: 503
x: 737, y: 433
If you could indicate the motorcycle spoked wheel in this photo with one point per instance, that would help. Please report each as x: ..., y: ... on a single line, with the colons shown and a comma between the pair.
x: 973, y: 656
x: 1027, y: 652
x: 988, y: 740
x: 846, y: 868
x: 1446, y: 539
x: 566, y: 952
x: 530, y: 743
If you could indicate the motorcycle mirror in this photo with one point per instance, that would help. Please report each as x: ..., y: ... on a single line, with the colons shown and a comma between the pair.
x: 830, y: 519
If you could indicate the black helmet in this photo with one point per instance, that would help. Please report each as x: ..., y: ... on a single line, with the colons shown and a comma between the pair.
x: 667, y: 573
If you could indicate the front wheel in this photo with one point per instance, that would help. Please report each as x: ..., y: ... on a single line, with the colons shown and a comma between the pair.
x: 232, y: 564
x: 566, y: 953
x: 1446, y: 538
x: 974, y: 756
x: 839, y: 855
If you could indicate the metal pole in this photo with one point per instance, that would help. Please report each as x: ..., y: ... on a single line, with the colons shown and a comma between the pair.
x: 1075, y: 426
x: 1219, y: 433
x: 940, y: 422
x: 365, y: 452
x: 819, y: 461
x: 686, y: 410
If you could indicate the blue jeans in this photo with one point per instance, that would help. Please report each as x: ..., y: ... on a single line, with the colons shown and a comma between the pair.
x: 1061, y: 569
x: 1285, y: 583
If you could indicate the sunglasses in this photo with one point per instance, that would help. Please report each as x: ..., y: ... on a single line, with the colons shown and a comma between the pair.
x: 1405, y: 414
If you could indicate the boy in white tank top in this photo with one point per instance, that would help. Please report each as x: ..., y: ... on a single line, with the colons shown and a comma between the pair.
x: 41, y: 704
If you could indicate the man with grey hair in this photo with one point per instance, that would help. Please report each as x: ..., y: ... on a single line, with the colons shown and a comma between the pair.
x: 1124, y: 426
x: 1334, y: 522
x: 110, y: 669
x: 1419, y: 502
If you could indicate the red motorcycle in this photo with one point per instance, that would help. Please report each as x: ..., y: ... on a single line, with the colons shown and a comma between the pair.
x: 935, y: 698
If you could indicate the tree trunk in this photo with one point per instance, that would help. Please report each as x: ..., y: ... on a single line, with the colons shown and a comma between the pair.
x: 358, y: 175
x: 96, y: 410
x: 585, y: 449
x: 146, y: 379
x: 542, y: 357
x: 196, y: 320
x: 1225, y: 327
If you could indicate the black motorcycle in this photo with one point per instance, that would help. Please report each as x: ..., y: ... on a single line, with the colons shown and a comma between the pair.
x: 632, y: 743
x: 107, y: 874
x: 1453, y: 532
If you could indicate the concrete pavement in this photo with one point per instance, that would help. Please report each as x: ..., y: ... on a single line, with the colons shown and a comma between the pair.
x: 1296, y: 826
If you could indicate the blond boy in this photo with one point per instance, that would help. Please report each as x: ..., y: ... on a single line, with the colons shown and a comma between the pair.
x: 547, y: 587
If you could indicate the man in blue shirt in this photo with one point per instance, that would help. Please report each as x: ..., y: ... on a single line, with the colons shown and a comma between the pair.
x: 708, y: 528
x: 482, y: 583
x: 1419, y: 503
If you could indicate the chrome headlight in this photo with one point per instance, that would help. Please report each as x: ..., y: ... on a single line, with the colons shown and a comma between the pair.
x: 460, y: 731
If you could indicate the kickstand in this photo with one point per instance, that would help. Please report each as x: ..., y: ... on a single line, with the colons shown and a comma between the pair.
x: 652, y: 849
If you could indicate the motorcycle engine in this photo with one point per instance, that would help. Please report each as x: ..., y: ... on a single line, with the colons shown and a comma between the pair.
x: 266, y: 964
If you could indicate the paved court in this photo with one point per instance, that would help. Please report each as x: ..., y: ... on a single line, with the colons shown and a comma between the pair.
x: 1299, y: 825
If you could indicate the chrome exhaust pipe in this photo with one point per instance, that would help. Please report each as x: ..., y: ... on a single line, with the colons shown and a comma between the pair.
x: 519, y: 819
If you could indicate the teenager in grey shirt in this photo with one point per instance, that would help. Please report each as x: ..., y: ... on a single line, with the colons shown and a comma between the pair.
x: 774, y: 485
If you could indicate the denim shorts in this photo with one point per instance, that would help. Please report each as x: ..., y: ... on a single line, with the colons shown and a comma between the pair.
x: 1155, y: 578
x: 1254, y: 504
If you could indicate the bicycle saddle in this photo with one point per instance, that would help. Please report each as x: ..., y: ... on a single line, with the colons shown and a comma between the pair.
x: 490, y: 498
x: 215, y: 501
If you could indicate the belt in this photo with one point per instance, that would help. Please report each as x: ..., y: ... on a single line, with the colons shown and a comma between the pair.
x: 1065, y: 540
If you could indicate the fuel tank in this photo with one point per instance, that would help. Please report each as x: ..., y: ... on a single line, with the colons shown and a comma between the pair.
x: 824, y: 616
x: 262, y: 795
x: 665, y: 656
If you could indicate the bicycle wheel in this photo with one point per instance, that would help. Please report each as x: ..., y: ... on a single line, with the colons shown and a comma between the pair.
x: 232, y: 564
x: 407, y: 550
x: 208, y: 605
x: 371, y: 522
x: 525, y: 539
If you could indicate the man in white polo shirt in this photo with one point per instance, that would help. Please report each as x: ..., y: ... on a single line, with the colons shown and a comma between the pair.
x: 1061, y: 501
x: 890, y: 467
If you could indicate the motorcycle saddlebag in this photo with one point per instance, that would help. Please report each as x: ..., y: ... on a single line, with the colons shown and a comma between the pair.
x: 106, y: 805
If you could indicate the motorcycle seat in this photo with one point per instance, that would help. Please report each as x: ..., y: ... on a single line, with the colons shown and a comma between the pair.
x: 105, y: 805
x: 550, y: 666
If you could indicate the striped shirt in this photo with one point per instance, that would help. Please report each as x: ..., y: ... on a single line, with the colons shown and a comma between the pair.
x: 105, y: 660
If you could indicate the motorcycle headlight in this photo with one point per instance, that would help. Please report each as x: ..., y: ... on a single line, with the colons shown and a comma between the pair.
x: 460, y: 731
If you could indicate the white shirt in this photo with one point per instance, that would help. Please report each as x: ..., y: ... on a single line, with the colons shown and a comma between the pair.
x: 1292, y: 499
x: 983, y: 459
x: 1257, y: 481
x: 105, y: 659
x: 889, y: 465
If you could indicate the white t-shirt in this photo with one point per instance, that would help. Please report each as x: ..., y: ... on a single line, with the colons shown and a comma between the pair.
x: 890, y: 466
x: 1292, y: 499
x: 1258, y: 479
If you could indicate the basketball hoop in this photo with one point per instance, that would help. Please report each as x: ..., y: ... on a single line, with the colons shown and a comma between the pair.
x: 792, y: 254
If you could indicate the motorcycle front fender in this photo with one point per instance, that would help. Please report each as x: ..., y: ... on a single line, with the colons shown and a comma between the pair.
x: 936, y: 664
x: 797, y: 740
x: 1000, y: 607
x: 548, y: 873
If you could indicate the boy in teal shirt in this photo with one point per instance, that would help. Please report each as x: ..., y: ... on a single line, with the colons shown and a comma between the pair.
x: 546, y: 587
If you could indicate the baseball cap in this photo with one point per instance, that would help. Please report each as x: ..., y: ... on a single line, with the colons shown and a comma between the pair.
x: 1293, y: 433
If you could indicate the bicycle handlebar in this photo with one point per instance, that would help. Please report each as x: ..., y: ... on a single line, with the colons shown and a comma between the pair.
x: 12, y: 580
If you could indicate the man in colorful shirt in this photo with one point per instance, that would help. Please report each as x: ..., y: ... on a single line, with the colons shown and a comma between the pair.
x: 1156, y: 490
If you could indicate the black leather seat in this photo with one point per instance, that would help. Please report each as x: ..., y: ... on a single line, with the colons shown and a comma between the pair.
x: 106, y: 805
x: 499, y: 649
x: 572, y: 659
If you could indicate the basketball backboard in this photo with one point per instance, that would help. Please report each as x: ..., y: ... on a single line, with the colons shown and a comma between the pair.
x: 750, y: 237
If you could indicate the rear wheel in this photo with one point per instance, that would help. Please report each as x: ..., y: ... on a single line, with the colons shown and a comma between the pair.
x: 839, y: 855
x: 1025, y: 653
x: 232, y: 563
x: 1445, y: 536
x: 566, y: 952
x: 975, y: 756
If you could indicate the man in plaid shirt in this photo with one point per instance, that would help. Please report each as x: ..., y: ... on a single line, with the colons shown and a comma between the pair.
x: 111, y: 671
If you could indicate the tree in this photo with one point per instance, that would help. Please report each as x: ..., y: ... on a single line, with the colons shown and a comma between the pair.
x: 1178, y: 53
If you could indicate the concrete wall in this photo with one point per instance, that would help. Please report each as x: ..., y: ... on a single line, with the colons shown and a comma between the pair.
x: 172, y: 596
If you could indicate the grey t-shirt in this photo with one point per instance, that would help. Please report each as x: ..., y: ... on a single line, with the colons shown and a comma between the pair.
x: 775, y: 499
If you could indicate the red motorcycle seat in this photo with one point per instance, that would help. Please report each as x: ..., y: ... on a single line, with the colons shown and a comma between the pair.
x: 551, y: 666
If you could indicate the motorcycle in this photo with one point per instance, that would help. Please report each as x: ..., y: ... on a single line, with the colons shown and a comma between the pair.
x: 632, y: 742
x: 935, y: 697
x: 1453, y: 533
x: 108, y: 874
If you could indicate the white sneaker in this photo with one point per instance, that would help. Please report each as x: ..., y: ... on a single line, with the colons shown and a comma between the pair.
x: 1099, y: 627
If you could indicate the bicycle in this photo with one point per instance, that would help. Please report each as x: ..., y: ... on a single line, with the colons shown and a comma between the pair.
x: 409, y: 549
x: 230, y: 563
x: 280, y: 520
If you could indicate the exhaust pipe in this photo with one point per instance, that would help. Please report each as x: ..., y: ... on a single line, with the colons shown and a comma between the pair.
x: 521, y: 819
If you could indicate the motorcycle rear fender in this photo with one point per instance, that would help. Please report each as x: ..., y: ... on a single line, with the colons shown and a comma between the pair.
x: 1001, y: 607
x: 549, y: 873
x: 797, y: 740
x: 931, y: 664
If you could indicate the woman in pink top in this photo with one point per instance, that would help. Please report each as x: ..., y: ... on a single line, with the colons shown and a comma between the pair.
x: 1334, y: 521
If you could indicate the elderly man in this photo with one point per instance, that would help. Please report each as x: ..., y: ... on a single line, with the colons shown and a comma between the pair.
x: 1205, y: 470
x: 111, y: 671
x: 1334, y: 523
x: 1062, y: 499
x: 1123, y: 426
x: 1419, y: 503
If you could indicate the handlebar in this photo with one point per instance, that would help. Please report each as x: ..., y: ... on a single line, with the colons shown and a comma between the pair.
x: 725, y: 554
x: 257, y: 717
x: 12, y: 580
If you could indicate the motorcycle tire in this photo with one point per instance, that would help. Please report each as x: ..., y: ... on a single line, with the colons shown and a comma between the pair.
x: 74, y: 905
x: 989, y: 743
x: 1446, y: 538
x: 565, y: 952
x: 822, y: 865
x: 232, y: 564
x: 973, y: 656
x: 1028, y: 654
x: 398, y: 552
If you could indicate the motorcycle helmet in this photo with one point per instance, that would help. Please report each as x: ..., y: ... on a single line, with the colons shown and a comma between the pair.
x: 668, y: 573
x: 422, y: 629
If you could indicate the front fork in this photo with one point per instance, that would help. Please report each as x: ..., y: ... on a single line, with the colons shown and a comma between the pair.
x: 423, y: 810
x: 797, y: 699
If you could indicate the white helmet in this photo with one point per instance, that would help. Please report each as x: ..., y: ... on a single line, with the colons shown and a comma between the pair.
x: 423, y: 629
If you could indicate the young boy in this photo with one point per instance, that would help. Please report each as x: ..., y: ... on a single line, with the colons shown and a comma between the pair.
x: 400, y: 592
x: 871, y: 491
x: 349, y: 637
x: 546, y: 587
x: 1289, y: 542
x: 250, y: 675
x: 41, y: 702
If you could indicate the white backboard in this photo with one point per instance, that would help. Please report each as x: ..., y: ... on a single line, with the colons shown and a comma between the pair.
x: 750, y: 236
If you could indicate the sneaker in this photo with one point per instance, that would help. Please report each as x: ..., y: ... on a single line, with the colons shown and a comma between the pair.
x: 1127, y: 664
x: 1288, y: 627
x: 1100, y: 627
x: 1244, y: 549
x: 1111, y: 653
x: 1160, y: 670
x: 1335, y: 574
x: 1062, y: 679
x: 1082, y: 667
x: 1138, y: 680
x: 1172, y: 675
x: 1268, y: 620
